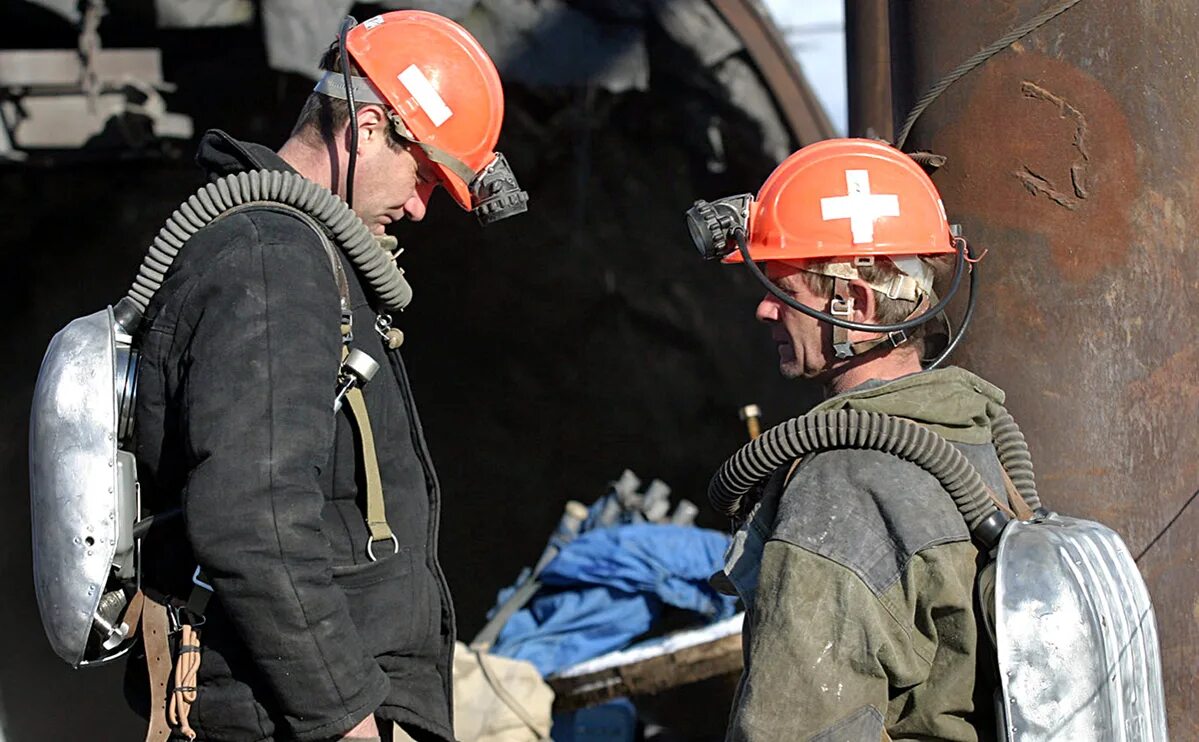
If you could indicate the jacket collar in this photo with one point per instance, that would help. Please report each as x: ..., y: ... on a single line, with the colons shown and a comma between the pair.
x: 220, y: 154
x: 951, y: 401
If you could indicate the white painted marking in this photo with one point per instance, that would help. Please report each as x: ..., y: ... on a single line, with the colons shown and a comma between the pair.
x: 861, y: 207
x: 426, y: 95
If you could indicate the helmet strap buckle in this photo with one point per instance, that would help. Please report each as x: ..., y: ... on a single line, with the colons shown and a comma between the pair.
x: 841, y: 306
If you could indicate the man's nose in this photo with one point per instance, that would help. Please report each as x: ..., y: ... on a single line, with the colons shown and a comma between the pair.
x: 414, y: 207
x: 768, y: 309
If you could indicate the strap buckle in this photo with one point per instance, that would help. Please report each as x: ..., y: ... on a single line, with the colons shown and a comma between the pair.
x: 840, y: 307
x: 347, y: 326
x: 897, y: 338
x: 370, y: 548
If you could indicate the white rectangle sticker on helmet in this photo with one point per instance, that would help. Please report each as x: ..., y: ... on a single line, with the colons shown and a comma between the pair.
x: 426, y: 95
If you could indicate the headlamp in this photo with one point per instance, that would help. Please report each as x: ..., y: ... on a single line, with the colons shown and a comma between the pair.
x: 494, y: 193
x: 712, y: 223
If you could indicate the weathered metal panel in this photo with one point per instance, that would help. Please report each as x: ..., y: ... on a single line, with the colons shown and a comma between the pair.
x: 1072, y: 162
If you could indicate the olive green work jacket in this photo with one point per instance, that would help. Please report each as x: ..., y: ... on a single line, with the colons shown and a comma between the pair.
x: 858, y: 577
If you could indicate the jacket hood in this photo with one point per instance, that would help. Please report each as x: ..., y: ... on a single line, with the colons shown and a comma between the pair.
x: 952, y: 402
x: 220, y: 154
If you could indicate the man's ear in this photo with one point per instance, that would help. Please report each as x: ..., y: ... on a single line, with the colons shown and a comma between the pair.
x: 372, y: 126
x: 865, y: 302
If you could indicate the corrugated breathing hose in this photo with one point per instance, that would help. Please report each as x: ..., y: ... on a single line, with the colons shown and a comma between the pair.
x: 1013, y: 454
x: 209, y: 203
x: 833, y: 429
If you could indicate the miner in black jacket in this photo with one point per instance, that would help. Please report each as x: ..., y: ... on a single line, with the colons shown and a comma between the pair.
x: 308, y: 635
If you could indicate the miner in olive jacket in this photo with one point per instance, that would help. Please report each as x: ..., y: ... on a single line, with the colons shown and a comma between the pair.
x: 855, y: 567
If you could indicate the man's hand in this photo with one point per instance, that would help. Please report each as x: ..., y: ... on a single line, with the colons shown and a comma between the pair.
x: 366, y: 729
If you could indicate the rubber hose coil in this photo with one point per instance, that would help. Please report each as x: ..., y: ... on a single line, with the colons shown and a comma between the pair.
x: 835, y: 429
x: 372, y: 262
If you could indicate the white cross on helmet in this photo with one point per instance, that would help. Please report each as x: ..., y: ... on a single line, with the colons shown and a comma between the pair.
x: 860, y: 206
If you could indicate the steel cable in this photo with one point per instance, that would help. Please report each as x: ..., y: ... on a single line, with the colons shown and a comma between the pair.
x: 975, y: 61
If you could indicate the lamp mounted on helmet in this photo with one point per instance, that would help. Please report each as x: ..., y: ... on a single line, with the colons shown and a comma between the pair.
x: 443, y: 97
x: 712, y: 224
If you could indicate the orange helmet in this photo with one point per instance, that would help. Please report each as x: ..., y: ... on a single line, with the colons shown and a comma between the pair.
x: 444, y: 96
x: 840, y: 198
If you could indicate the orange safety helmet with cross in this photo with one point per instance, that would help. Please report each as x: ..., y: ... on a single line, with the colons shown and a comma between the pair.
x: 443, y: 96
x: 830, y: 208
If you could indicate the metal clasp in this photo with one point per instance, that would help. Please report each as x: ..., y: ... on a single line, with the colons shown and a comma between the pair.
x: 347, y: 326
x: 370, y: 548
x: 841, y: 307
x: 383, y: 324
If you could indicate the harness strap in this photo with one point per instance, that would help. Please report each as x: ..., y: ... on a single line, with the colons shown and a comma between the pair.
x: 133, y: 613
x: 376, y: 515
x: 156, y: 631
x: 1019, y: 506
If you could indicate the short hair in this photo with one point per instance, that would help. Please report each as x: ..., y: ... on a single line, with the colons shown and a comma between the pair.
x: 322, y: 116
x: 887, y: 310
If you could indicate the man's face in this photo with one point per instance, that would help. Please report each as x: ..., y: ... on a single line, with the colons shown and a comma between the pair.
x: 390, y: 183
x: 804, y: 343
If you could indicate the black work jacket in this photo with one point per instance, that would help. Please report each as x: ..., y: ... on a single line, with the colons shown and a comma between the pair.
x: 305, y: 635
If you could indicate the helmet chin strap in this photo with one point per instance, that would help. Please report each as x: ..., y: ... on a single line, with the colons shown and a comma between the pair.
x: 841, y: 306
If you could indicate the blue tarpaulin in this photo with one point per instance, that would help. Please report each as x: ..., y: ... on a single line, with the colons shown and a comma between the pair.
x: 606, y: 588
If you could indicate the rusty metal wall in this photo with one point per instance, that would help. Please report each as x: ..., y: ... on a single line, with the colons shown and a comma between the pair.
x: 1073, y: 161
x: 868, y: 68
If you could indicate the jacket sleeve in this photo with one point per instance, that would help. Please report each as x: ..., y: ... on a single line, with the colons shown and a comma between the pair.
x: 826, y: 654
x: 258, y: 383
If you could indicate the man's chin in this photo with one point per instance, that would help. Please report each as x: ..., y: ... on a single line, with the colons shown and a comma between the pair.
x: 791, y: 371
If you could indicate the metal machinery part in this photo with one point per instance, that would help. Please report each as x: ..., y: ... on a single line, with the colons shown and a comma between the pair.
x: 1068, y: 595
x: 83, y: 490
x: 55, y: 102
x: 1086, y: 198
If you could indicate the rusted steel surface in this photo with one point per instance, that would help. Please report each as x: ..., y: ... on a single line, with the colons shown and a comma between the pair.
x: 1072, y: 162
x: 868, y: 68
x: 803, y: 111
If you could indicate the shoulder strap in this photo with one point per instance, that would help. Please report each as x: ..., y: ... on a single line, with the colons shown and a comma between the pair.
x: 1019, y: 506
